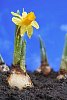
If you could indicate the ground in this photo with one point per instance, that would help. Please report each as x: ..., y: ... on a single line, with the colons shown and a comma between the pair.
x: 45, y: 88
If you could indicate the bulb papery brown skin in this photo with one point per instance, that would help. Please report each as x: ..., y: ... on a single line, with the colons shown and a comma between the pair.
x: 63, y: 71
x: 46, y: 70
x: 19, y: 79
x: 62, y: 74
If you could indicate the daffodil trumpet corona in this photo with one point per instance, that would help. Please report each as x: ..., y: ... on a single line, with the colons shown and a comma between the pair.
x: 63, y: 65
x: 45, y: 68
x: 24, y: 24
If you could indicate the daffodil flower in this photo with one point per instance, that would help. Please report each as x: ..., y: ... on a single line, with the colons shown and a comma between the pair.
x: 26, y: 22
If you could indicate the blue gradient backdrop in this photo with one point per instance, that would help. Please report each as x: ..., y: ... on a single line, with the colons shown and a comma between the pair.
x: 52, y: 18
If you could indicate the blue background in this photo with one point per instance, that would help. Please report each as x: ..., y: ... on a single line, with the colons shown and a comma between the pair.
x: 52, y: 18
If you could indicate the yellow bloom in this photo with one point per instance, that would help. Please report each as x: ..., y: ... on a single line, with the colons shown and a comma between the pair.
x: 25, y: 22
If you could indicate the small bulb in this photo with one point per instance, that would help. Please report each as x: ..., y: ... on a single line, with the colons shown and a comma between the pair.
x: 46, y: 70
x: 60, y: 77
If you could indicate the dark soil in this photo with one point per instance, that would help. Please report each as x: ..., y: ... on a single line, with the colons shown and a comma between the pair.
x: 45, y: 88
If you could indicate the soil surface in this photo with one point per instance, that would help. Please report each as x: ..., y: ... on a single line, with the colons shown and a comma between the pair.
x: 45, y: 88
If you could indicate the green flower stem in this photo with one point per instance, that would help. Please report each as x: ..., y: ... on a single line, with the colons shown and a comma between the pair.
x: 17, y: 49
x: 23, y: 56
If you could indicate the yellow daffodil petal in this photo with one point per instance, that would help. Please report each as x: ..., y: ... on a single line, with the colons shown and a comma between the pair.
x: 35, y: 24
x: 31, y: 16
x: 29, y: 31
x: 16, y: 15
x: 24, y: 14
x: 22, y: 30
x: 16, y: 20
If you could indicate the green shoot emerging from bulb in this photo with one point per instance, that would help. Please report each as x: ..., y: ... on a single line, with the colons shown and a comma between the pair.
x: 45, y: 68
x: 63, y: 65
